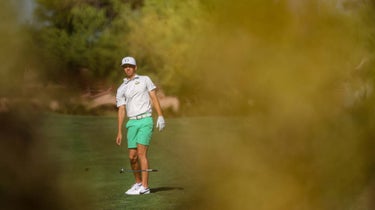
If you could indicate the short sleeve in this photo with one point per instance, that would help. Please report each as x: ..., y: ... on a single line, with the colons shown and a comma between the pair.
x: 120, y: 98
x: 149, y: 84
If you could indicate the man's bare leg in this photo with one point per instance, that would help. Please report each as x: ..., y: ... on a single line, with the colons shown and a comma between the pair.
x: 142, y: 155
x: 134, y: 164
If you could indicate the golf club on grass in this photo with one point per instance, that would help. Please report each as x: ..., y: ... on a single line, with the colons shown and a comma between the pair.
x: 130, y: 170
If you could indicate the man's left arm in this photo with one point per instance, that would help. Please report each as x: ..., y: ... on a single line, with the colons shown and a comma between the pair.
x: 155, y: 102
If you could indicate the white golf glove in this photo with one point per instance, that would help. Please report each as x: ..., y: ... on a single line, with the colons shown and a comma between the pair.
x: 160, y: 123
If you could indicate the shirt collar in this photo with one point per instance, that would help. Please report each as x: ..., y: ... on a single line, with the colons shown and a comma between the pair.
x: 126, y: 80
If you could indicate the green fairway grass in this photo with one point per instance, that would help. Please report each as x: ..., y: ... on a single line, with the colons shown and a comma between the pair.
x: 209, y: 163
x: 88, y: 162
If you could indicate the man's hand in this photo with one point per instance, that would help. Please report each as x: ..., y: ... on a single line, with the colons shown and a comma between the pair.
x: 118, y: 139
x: 160, y: 123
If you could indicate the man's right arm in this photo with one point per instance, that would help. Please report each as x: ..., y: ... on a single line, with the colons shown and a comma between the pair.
x: 121, y: 117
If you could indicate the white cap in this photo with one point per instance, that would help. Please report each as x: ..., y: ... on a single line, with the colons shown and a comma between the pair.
x: 128, y: 60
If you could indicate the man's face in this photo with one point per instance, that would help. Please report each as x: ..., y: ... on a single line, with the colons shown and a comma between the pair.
x: 129, y: 70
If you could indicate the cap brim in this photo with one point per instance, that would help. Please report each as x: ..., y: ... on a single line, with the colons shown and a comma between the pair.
x: 127, y: 64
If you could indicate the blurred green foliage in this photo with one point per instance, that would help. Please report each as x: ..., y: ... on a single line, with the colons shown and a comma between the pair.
x: 304, y: 71
x: 12, y: 51
x: 261, y: 52
x: 162, y: 38
x: 79, y: 41
x: 85, y: 40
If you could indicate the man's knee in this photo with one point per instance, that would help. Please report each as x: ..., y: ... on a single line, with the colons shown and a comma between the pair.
x: 142, y: 155
x: 142, y: 151
x: 133, y: 158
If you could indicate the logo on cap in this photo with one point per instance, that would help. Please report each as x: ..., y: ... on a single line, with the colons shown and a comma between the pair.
x: 128, y: 60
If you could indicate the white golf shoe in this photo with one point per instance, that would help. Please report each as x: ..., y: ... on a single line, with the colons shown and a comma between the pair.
x: 139, y: 191
x: 143, y: 190
x: 134, y: 189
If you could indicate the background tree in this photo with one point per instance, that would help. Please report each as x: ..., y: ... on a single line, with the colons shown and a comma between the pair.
x: 79, y: 41
x: 162, y: 39
x: 182, y: 43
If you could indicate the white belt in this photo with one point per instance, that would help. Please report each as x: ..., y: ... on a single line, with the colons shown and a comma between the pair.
x: 140, y: 116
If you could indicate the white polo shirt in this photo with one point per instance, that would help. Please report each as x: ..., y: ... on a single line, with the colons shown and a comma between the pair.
x: 134, y: 94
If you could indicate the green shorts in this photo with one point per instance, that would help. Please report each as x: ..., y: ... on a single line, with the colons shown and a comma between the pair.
x: 139, y: 132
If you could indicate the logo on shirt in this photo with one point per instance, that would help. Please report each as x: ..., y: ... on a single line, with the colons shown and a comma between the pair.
x: 136, y: 82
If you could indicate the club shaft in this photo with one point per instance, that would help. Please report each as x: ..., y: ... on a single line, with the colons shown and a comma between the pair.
x: 147, y: 170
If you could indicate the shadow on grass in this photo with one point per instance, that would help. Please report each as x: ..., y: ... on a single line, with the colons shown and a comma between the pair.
x: 160, y: 189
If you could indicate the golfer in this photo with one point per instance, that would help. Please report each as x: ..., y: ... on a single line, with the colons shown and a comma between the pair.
x: 134, y: 97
